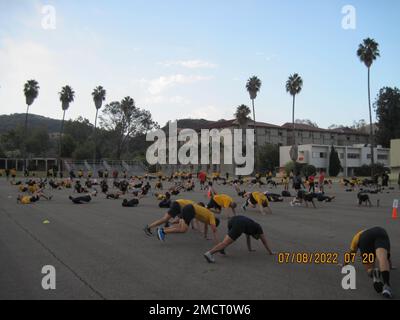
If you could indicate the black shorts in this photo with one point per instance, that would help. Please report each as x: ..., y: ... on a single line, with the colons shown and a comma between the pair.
x: 34, y: 198
x: 188, y: 214
x: 174, y: 209
x: 213, y: 205
x: 308, y: 197
x: 239, y: 225
x: 372, y: 239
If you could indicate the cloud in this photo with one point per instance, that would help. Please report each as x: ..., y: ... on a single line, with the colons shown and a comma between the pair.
x: 158, y: 85
x: 209, y: 112
x: 159, y: 99
x: 190, y: 64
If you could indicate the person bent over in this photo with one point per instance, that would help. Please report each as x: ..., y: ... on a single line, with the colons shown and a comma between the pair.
x: 174, y: 210
x: 222, y: 201
x: 236, y: 227
x: 257, y: 198
x: 374, y: 246
x: 188, y: 214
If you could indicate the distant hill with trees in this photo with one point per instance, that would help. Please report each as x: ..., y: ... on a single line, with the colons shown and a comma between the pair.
x: 12, y: 121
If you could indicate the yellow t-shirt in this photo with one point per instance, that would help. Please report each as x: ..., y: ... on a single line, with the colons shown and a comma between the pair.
x: 354, y: 242
x: 33, y: 188
x: 260, y: 197
x: 26, y: 200
x: 184, y: 202
x: 204, y: 215
x: 21, y: 187
x: 223, y: 200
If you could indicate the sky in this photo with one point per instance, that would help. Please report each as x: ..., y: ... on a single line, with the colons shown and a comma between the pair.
x: 192, y: 58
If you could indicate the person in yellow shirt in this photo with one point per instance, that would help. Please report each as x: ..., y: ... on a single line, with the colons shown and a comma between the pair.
x: 188, y: 214
x: 25, y: 199
x: 374, y: 244
x: 257, y: 198
x: 13, y: 173
x: 222, y: 201
x: 285, y: 182
x: 174, y: 210
x: 22, y: 188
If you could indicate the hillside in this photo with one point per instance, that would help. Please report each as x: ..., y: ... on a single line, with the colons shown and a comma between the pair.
x: 8, y: 122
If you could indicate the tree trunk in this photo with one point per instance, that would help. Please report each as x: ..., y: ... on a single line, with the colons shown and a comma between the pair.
x: 255, y: 138
x: 95, y: 138
x: 371, y: 129
x: 60, y: 146
x: 293, y: 123
x: 25, y: 136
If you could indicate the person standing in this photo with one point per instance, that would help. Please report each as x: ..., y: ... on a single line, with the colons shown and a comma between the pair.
x: 311, y: 181
x: 321, y: 181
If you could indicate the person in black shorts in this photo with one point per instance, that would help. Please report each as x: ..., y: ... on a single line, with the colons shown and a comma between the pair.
x: 236, y: 227
x: 130, y: 203
x: 81, y: 200
x: 303, y: 197
x: 374, y: 245
x: 189, y: 213
x: 172, y: 213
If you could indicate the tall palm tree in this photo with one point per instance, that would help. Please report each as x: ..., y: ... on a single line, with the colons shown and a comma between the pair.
x: 31, y: 91
x: 253, y: 86
x: 242, y: 115
x: 99, y: 95
x: 293, y: 86
x: 66, y: 97
x: 368, y: 52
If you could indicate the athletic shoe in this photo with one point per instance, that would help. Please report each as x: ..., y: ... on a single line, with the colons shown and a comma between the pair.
x: 291, y: 203
x: 387, y: 292
x: 209, y: 257
x: 222, y: 252
x: 377, y: 280
x: 147, y: 231
x: 160, y: 234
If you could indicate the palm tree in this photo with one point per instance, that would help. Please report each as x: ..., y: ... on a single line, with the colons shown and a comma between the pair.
x: 293, y: 86
x: 368, y: 52
x: 253, y: 86
x: 242, y: 115
x: 31, y: 91
x: 66, y: 97
x: 99, y: 95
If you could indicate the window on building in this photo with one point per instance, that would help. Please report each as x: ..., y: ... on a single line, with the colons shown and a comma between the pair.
x: 382, y: 156
x: 348, y: 138
x: 319, y: 155
x: 341, y: 155
x: 353, y: 156
x: 280, y: 133
x: 368, y: 156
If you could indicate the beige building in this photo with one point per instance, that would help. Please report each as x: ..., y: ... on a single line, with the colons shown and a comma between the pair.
x: 280, y: 135
x: 395, y: 159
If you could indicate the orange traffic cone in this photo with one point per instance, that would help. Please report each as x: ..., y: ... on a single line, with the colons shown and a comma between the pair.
x: 394, y: 211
